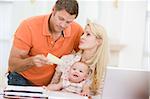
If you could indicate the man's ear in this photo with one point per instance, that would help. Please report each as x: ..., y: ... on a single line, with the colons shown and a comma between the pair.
x: 53, y: 10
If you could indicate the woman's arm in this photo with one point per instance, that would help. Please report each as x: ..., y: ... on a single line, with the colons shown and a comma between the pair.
x: 55, y: 87
x: 56, y: 77
x: 59, y: 69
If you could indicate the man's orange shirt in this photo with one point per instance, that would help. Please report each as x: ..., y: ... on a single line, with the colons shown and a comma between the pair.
x: 33, y: 35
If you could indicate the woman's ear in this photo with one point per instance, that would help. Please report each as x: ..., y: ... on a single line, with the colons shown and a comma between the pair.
x: 90, y: 72
x: 99, y: 41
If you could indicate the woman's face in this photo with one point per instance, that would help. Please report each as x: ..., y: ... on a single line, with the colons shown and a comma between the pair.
x: 88, y: 40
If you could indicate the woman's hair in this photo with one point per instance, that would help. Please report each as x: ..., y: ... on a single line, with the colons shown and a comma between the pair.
x: 71, y: 6
x: 100, y: 58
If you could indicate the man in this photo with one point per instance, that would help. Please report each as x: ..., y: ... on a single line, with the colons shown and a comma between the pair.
x: 36, y: 37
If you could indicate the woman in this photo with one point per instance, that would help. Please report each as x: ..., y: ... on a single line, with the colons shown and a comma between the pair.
x: 93, y: 51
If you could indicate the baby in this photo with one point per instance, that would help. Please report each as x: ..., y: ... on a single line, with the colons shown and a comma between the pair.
x: 73, y: 79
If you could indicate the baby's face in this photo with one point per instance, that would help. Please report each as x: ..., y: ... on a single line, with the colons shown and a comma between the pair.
x: 78, y: 72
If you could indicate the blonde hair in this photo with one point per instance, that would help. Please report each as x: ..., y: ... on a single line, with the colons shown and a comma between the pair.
x: 100, y: 58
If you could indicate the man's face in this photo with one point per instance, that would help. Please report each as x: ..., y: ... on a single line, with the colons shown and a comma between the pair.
x: 61, y: 20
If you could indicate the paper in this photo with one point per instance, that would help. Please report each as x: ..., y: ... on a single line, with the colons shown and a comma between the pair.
x: 31, y: 92
x: 25, y: 88
x: 23, y: 92
x: 53, y: 59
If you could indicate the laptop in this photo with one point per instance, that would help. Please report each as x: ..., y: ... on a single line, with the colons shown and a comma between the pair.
x: 121, y: 83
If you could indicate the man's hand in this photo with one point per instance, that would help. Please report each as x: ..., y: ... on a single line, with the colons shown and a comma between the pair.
x: 39, y: 60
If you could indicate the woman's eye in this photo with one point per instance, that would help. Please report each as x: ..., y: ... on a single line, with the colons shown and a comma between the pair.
x: 88, y: 34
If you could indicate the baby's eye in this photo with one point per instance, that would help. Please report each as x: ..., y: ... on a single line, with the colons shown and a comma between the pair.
x: 81, y: 71
x: 74, y: 68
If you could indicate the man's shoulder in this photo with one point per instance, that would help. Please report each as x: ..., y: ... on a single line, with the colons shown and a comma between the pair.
x: 75, y: 24
x: 36, y: 19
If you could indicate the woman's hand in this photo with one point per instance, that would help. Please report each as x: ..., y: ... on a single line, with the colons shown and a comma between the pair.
x: 86, y: 91
x: 53, y: 87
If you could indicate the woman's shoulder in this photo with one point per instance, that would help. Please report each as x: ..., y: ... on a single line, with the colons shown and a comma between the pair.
x: 67, y: 56
x: 73, y: 56
x: 68, y: 60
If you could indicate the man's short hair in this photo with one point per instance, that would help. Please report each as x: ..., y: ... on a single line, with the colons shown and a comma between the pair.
x: 71, y: 6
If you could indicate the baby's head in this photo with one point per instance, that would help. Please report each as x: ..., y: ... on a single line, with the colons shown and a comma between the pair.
x: 79, y: 71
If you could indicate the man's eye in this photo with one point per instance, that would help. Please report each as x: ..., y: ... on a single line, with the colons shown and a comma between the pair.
x: 61, y: 19
x: 68, y: 22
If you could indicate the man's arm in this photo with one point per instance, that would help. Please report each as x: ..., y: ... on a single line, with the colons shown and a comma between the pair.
x: 20, y: 61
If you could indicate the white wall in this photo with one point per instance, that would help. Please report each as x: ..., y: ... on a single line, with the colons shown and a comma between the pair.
x: 126, y: 25
x: 110, y: 17
x: 23, y: 9
x: 133, y: 32
x: 88, y: 9
x: 5, y: 35
x: 146, y: 60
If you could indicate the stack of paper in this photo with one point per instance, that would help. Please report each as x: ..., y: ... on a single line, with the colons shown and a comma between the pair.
x: 31, y: 92
x: 24, y: 92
